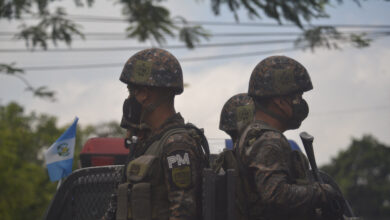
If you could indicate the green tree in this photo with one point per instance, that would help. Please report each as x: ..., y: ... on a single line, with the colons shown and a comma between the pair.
x: 363, y: 174
x: 151, y: 20
x: 25, y: 189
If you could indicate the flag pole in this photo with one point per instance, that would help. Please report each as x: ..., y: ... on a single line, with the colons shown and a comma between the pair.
x: 60, y: 181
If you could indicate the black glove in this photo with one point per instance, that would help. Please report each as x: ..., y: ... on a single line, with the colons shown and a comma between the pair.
x: 333, y: 206
x: 111, y: 210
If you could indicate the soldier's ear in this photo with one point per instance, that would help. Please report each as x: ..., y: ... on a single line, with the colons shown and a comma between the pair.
x: 142, y: 95
x: 280, y: 103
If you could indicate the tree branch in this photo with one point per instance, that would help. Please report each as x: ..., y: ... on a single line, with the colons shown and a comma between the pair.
x: 41, y: 92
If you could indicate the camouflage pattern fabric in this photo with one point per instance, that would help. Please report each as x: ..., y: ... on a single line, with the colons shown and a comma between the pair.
x: 236, y: 113
x: 153, y: 67
x: 179, y: 180
x: 280, y: 176
x: 300, y: 167
x: 278, y: 75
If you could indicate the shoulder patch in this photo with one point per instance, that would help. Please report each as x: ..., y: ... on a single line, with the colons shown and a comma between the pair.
x: 271, y: 135
x: 175, y: 138
x: 177, y: 159
x: 179, y: 169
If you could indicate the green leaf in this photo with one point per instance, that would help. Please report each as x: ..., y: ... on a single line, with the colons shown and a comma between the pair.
x: 55, y: 27
x: 363, y: 173
x: 44, y: 92
x: 10, y: 69
x: 320, y: 36
x: 360, y: 40
x: 192, y: 34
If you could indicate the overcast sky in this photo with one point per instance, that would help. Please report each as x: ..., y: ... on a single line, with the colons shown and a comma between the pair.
x: 351, y: 95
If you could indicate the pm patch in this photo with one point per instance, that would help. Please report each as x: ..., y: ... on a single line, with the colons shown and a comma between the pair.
x: 179, y: 168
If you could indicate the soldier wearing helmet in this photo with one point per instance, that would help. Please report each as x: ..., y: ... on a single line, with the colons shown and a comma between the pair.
x: 279, y: 190
x: 162, y: 178
x: 236, y: 114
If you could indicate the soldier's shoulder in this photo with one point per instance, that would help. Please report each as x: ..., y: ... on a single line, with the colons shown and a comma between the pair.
x: 264, y: 137
x: 181, y: 137
x: 271, y: 135
x: 259, y: 130
x: 179, y: 140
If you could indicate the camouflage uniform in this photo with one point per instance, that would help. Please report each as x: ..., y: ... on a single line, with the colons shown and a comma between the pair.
x: 174, y: 172
x: 278, y: 176
x: 236, y: 114
x: 182, y: 200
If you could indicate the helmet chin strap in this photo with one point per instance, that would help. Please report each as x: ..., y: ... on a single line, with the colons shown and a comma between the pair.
x: 141, y: 126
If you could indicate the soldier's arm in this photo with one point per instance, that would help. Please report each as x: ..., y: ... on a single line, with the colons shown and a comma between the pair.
x: 269, y: 163
x: 182, y: 177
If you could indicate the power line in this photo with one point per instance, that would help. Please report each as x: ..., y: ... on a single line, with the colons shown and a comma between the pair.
x: 69, y: 67
x: 224, y: 23
x: 354, y: 110
x: 228, y: 44
x: 188, y: 59
x: 182, y: 46
x: 103, y: 36
x: 88, y: 18
x: 239, y: 55
x: 250, y: 24
x: 228, y: 34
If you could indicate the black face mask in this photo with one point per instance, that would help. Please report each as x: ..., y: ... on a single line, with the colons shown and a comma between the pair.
x: 300, y: 110
x: 132, y: 110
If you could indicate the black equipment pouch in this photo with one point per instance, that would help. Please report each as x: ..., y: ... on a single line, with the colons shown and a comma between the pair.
x: 219, y: 191
x: 141, y: 204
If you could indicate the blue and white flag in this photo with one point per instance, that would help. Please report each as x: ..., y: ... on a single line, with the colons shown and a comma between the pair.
x: 59, y: 156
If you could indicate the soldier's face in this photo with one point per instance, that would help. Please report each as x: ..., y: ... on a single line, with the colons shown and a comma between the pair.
x: 131, y: 111
x: 296, y: 111
x: 141, y: 94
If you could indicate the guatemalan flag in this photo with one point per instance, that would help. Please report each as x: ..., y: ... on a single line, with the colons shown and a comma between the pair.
x: 59, y: 157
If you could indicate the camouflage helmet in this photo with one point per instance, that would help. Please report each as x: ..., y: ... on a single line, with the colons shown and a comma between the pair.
x: 236, y: 113
x: 153, y: 67
x: 278, y: 75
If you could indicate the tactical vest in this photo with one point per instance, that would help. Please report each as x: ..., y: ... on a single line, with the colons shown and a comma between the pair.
x: 247, y: 202
x: 226, y: 162
x: 144, y: 195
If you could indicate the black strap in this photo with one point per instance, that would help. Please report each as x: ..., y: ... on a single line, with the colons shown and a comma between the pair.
x: 244, y: 179
x: 203, y: 142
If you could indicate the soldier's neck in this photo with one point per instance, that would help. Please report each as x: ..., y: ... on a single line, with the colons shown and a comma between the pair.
x: 271, y: 121
x: 157, y: 118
